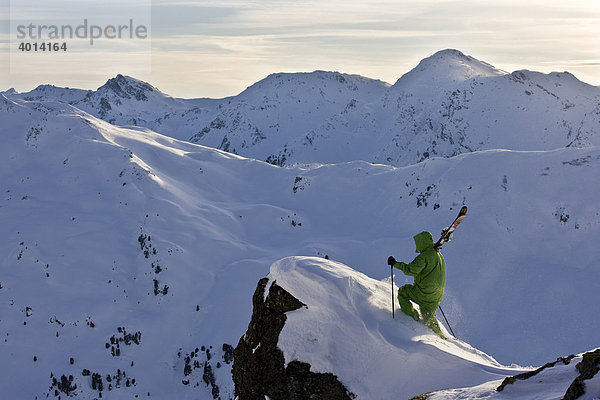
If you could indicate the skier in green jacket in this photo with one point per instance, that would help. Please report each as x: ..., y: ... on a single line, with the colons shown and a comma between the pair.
x: 429, y: 270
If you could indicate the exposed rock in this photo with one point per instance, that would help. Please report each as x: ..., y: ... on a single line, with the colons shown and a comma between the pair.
x: 259, y: 368
x: 526, y: 375
x: 588, y: 367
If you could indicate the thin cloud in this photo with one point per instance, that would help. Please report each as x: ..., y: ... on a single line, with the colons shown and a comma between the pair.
x: 246, y: 40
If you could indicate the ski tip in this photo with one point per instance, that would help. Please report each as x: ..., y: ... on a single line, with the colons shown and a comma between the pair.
x: 463, y: 211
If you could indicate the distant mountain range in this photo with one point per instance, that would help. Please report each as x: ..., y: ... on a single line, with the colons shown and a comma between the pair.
x: 449, y: 104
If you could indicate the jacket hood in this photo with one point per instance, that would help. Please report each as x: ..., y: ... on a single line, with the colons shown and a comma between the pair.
x: 423, y: 241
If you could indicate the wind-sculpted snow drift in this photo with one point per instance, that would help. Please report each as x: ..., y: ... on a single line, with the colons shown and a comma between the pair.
x: 322, y: 330
x: 342, y: 325
x: 129, y: 258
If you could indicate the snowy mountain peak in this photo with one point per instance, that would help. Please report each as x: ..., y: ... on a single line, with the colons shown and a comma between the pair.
x: 51, y: 92
x: 46, y: 88
x: 453, y: 55
x: 9, y: 92
x: 6, y: 102
x: 561, y: 81
x: 454, y: 59
x: 129, y: 88
x: 447, y: 67
x: 282, y: 83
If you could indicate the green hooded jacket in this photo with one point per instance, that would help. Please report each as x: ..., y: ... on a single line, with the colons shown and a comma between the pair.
x: 428, y: 268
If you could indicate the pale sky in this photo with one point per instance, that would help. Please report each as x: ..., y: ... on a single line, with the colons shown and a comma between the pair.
x: 209, y: 48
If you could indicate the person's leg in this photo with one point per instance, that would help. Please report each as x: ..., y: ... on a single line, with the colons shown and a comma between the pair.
x: 429, y: 318
x: 404, y: 296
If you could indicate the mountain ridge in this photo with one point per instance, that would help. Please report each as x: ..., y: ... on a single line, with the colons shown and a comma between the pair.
x: 449, y: 104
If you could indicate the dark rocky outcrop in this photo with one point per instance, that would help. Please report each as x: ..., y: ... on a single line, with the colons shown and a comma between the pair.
x: 526, y: 375
x: 588, y: 367
x: 259, y: 368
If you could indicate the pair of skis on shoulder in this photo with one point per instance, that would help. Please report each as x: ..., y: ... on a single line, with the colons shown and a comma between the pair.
x: 447, y: 232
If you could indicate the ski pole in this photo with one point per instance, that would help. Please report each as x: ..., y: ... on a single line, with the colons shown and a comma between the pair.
x: 447, y: 323
x: 392, y: 275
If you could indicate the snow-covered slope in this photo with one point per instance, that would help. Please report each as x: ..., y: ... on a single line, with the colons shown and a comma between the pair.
x: 567, y: 378
x: 127, y: 250
x: 449, y: 104
x: 347, y: 329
